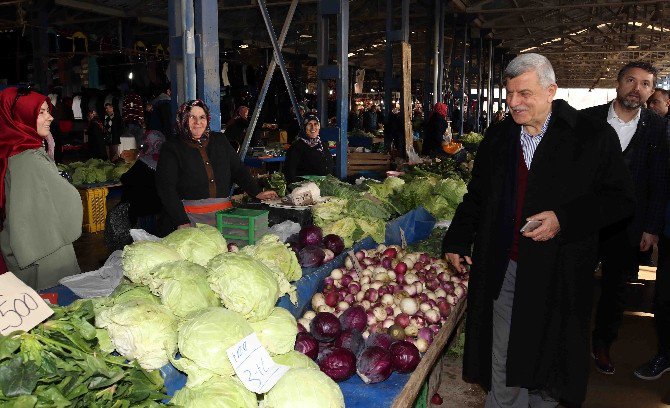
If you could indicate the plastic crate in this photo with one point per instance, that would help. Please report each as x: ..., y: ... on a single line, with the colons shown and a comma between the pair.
x: 242, y: 225
x: 94, y: 201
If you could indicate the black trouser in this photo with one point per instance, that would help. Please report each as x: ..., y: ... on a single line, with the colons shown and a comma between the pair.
x: 619, y: 262
x: 662, y: 296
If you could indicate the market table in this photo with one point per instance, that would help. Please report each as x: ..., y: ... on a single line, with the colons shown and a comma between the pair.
x: 257, y: 162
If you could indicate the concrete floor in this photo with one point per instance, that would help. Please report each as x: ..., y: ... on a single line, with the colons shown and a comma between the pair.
x: 636, y: 344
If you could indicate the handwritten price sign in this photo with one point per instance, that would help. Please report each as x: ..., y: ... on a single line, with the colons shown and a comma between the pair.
x: 254, y: 366
x: 21, y: 308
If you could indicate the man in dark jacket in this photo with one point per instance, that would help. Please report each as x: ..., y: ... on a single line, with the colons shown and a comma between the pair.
x: 642, y: 138
x: 659, y: 102
x: 161, y: 116
x: 530, y: 293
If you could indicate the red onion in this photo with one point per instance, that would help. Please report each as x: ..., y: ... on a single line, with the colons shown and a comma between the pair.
x: 354, y: 288
x: 328, y: 280
x: 354, y: 318
x: 338, y: 363
x: 402, y: 320
x: 307, y: 345
x: 349, y: 298
x: 448, y: 287
x: 435, y: 328
x: 422, y: 297
x: 301, y: 328
x: 346, y: 280
x: 443, y: 277
x: 360, y: 255
x: 404, y: 356
x: 371, y: 295
x: 424, y: 257
x: 332, y: 298
x: 444, y: 307
x: 379, y: 339
x: 401, y: 267
x: 374, y: 365
x: 400, y: 277
x: 386, y: 262
x: 371, y: 319
x: 390, y: 252
x: 325, y: 327
x: 352, y: 340
x: 418, y: 266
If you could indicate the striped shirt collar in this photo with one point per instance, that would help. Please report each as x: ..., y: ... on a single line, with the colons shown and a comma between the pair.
x: 529, y: 142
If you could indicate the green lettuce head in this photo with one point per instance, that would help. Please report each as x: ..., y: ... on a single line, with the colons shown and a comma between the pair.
x: 141, y: 257
x: 125, y: 292
x: 142, y: 330
x: 304, y: 388
x: 198, y: 245
x: 277, y: 332
x: 244, y: 284
x: 183, y: 287
x: 295, y: 359
x: 218, y: 392
x: 276, y: 255
x: 203, y: 340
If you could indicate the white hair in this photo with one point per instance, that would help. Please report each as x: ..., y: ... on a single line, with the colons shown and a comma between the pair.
x: 531, y: 62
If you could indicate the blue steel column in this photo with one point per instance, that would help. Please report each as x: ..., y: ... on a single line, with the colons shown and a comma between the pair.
x: 436, y: 51
x: 188, y: 48
x: 176, y: 55
x: 342, y: 90
x: 279, y: 57
x: 480, y: 92
x: 207, y: 59
x: 339, y: 72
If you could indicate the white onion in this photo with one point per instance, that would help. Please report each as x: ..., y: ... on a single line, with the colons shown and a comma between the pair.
x: 410, y: 289
x: 432, y: 316
x: 365, y: 287
x: 366, y: 304
x: 336, y: 273
x: 412, y: 330
x: 458, y: 291
x: 309, y: 315
x: 359, y: 296
x: 318, y: 300
x: 387, y: 299
x: 421, y: 344
x: 382, y: 276
x: 348, y: 263
x: 326, y: 308
x: 365, y: 280
x: 410, y: 278
x: 418, y: 286
x: 366, y: 334
x: 452, y: 299
x: 409, y: 306
x: 391, y: 274
x: 388, y: 323
x: 424, y: 307
x: 342, y: 306
x: 380, y: 313
x: 304, y: 322
x: 431, y: 295
x: 376, y: 284
x: 439, y: 292
x: 379, y: 269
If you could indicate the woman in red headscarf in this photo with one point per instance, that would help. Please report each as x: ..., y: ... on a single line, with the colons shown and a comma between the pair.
x: 41, y: 212
x: 433, y: 131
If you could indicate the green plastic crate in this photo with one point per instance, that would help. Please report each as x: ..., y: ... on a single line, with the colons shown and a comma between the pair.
x: 242, y: 225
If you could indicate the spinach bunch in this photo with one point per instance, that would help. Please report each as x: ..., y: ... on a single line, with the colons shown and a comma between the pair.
x: 59, y: 364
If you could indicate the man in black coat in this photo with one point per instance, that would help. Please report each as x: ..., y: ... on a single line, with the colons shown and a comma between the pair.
x: 530, y: 293
x: 642, y: 138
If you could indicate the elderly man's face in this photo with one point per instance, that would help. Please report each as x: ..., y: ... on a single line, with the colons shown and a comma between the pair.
x: 634, y: 88
x: 529, y: 102
x: 659, y: 103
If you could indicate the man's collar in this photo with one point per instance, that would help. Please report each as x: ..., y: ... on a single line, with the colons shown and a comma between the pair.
x: 612, y: 114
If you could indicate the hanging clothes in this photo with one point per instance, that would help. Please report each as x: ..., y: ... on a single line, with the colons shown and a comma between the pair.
x: 224, y: 74
x: 76, y: 107
x: 244, y: 75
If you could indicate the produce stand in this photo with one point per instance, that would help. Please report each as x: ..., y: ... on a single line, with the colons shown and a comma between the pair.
x: 399, y: 390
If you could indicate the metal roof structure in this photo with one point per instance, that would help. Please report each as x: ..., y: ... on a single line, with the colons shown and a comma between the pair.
x: 587, y: 41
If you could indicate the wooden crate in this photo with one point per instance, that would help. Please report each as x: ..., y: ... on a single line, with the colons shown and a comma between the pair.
x: 360, y: 162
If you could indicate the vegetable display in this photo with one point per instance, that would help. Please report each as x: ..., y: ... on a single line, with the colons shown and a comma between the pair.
x: 316, y: 390
x: 59, y: 363
x: 94, y: 171
x: 397, y: 302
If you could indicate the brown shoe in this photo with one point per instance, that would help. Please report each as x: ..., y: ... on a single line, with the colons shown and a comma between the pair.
x: 601, y: 356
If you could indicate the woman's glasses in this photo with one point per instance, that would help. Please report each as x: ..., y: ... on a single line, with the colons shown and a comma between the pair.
x: 20, y: 91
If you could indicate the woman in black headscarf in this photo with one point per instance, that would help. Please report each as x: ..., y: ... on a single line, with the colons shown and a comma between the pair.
x: 198, y: 165
x: 308, y: 155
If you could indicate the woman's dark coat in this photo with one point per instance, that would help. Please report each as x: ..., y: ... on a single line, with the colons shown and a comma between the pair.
x: 579, y: 173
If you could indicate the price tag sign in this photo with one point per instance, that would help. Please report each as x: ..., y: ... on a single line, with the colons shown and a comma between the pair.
x: 403, y: 240
x: 21, y: 308
x: 354, y: 260
x: 254, y: 366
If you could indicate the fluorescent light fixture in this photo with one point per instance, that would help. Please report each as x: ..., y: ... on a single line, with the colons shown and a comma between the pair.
x: 243, y: 46
x: 305, y: 36
x: 528, y: 49
x: 130, y: 76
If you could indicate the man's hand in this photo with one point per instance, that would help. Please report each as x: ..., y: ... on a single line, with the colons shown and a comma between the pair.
x: 647, y: 241
x: 267, y: 195
x: 457, y: 261
x: 547, y: 230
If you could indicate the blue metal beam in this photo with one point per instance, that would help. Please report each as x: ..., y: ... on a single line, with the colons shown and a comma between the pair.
x: 388, y: 59
x: 266, y: 83
x: 188, y: 39
x: 464, y: 75
x: 325, y: 10
x: 207, y: 61
x: 440, y: 52
x: 278, y: 56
